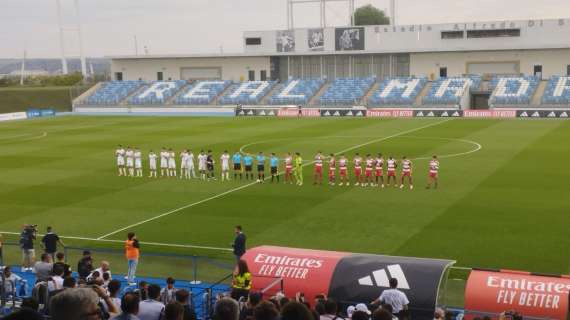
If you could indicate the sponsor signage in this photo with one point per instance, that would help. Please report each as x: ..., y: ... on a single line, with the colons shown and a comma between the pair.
x: 438, y: 113
x: 36, y: 113
x: 296, y: 112
x: 543, y: 114
x: 347, y: 277
x: 250, y: 112
x: 390, y: 113
x: 13, y: 116
x: 531, y: 295
x: 497, y: 113
x: 342, y: 113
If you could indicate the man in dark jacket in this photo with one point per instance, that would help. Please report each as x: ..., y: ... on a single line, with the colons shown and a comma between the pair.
x: 85, y: 265
x: 239, y: 243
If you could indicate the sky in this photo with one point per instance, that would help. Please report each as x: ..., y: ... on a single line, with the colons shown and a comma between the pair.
x: 210, y: 26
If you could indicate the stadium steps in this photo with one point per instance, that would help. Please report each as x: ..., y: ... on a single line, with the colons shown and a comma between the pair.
x: 319, y: 93
x: 369, y: 94
x: 537, y: 97
x: 86, y: 94
x: 223, y: 93
x: 422, y: 94
x: 276, y: 88
x: 182, y: 90
x: 138, y: 91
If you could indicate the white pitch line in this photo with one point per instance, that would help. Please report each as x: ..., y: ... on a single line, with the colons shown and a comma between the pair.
x: 254, y: 183
x: 160, y: 244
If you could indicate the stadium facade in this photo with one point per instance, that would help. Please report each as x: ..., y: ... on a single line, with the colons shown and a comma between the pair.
x: 530, y: 47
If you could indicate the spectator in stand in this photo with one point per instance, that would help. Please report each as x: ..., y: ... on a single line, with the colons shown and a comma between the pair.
x: 381, y: 314
x: 241, y: 283
x: 142, y: 290
x: 254, y: 298
x: 331, y: 310
x: 1, y: 254
x: 388, y: 308
x: 85, y: 265
x: 60, y: 260
x: 27, y: 238
x: 50, y: 241
x: 168, y: 293
x: 173, y: 311
x: 69, y: 283
x: 239, y: 243
x: 56, y: 281
x: 43, y: 268
x: 78, y: 304
x: 10, y: 281
x: 30, y: 304
x: 265, y: 310
x: 132, y: 253
x: 129, y: 307
x: 152, y: 308
x: 296, y: 311
x: 24, y: 314
x: 394, y: 297
x: 183, y: 298
x: 226, y: 309
x: 103, y: 268
x: 113, y: 288
x: 360, y: 315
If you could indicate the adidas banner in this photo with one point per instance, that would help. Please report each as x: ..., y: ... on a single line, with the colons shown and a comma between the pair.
x: 343, y: 113
x: 348, y: 278
x: 543, y: 114
x: 438, y: 113
x: 256, y: 112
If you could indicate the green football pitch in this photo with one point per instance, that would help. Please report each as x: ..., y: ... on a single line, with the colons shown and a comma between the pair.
x: 503, y: 199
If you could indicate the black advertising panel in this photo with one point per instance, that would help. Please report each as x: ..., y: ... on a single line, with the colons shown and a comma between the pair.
x: 363, y: 277
x: 543, y: 114
x: 348, y: 39
x: 342, y: 113
x: 254, y: 112
x: 438, y: 113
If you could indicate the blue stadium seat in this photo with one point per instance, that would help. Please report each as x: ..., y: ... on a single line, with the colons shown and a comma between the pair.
x: 157, y: 92
x: 296, y: 92
x: 557, y: 91
x: 449, y: 91
x: 249, y: 92
x: 397, y: 91
x: 512, y: 90
x: 112, y: 92
x: 346, y: 91
x: 202, y: 92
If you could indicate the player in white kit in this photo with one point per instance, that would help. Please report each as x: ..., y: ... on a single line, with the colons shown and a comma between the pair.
x: 152, y: 163
x: 225, y: 161
x: 120, y: 155
x: 190, y: 165
x: 138, y: 163
x: 202, y: 157
x: 184, y: 164
x: 164, y: 162
x: 130, y: 154
x: 172, y: 163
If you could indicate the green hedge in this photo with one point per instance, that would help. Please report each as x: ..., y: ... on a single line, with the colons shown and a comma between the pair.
x: 14, y: 99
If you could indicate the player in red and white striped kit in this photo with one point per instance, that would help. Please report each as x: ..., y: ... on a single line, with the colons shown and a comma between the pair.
x: 368, y: 171
x: 433, y: 172
x: 379, y: 163
x: 357, y: 161
x: 332, y: 169
x: 392, y: 164
x: 289, y: 168
x: 318, y: 176
x: 406, y: 172
x: 343, y: 170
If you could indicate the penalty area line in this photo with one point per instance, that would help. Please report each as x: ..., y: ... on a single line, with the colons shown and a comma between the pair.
x: 190, y: 205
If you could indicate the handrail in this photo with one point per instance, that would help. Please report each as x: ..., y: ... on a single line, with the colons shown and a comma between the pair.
x: 272, y: 284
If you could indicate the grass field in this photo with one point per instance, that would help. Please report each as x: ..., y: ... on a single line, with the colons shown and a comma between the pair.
x: 503, y: 205
x: 14, y: 99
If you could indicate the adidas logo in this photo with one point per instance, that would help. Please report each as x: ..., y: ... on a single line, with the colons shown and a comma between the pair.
x: 250, y: 113
x: 327, y: 113
x: 563, y: 115
x: 524, y: 114
x: 271, y: 113
x: 551, y: 115
x: 359, y: 114
x: 455, y: 114
x: 262, y: 113
x: 420, y: 114
x: 381, y: 277
x: 430, y: 114
x: 349, y: 113
x: 336, y: 114
x: 241, y: 113
x: 535, y: 114
x: 445, y: 114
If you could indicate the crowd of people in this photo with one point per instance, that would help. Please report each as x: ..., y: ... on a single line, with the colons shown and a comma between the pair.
x: 368, y: 170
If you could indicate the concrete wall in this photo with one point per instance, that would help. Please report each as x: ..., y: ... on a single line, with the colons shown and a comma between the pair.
x: 233, y: 68
x: 554, y: 62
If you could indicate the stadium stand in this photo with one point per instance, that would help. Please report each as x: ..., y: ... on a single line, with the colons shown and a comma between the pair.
x: 156, y: 93
x: 346, y: 91
x: 397, y: 91
x: 113, y: 92
x: 297, y: 91
x: 249, y: 92
x: 449, y: 91
x: 512, y: 90
x: 557, y: 91
x: 201, y: 92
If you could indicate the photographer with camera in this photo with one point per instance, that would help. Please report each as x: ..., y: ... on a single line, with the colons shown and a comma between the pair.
x: 27, y: 238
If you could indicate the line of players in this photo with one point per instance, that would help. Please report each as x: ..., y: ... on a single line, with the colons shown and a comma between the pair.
x: 368, y: 171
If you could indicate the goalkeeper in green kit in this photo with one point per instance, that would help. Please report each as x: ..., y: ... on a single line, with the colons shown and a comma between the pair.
x: 298, y: 168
